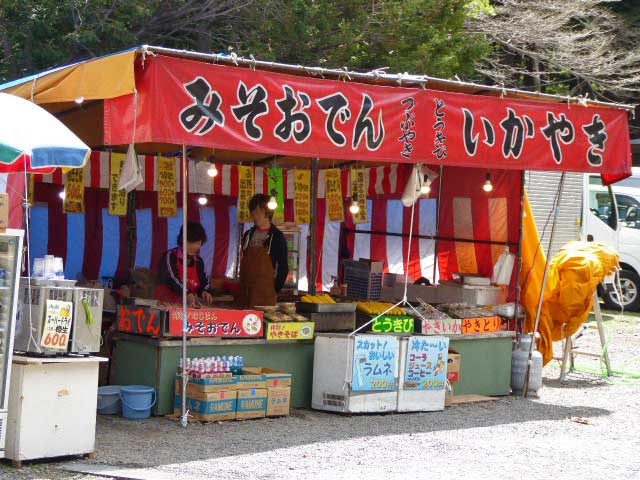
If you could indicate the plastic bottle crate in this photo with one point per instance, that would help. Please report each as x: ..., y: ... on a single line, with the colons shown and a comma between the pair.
x: 364, y: 279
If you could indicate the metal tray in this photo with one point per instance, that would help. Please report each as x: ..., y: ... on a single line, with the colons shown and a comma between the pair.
x: 304, y: 307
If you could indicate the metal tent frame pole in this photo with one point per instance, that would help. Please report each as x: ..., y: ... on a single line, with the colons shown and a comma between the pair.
x: 184, y: 421
x: 556, y: 208
x: 519, y: 268
x: 313, y: 228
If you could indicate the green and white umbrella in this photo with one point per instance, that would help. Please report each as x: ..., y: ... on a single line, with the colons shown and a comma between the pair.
x: 33, y: 139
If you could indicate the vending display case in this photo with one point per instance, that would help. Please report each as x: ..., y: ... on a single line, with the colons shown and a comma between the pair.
x: 10, y: 265
x: 292, y: 235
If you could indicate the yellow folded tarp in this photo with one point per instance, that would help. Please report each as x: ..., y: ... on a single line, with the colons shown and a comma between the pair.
x: 574, y: 274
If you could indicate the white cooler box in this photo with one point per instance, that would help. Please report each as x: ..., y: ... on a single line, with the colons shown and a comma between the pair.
x: 423, y: 373
x: 349, y: 378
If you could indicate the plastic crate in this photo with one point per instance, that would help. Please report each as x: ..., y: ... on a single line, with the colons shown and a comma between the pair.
x: 364, y: 279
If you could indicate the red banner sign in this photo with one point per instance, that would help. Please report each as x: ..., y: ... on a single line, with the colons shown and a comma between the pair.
x: 194, y: 103
x: 217, y: 323
x: 140, y: 320
x: 200, y: 104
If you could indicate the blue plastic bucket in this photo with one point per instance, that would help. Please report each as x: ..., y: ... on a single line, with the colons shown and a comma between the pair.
x: 137, y: 401
x: 109, y: 402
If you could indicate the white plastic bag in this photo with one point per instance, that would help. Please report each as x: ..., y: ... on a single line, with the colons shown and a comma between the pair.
x: 131, y: 175
x: 503, y: 269
x: 415, y: 182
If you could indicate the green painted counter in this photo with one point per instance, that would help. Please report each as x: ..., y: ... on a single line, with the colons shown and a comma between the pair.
x: 485, y: 368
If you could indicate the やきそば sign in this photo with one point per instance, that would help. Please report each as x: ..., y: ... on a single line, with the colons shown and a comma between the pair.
x: 426, y: 363
x: 217, y: 323
x: 375, y: 363
x: 290, y: 331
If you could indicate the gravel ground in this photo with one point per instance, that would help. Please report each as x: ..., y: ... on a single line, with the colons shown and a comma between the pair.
x: 585, y: 427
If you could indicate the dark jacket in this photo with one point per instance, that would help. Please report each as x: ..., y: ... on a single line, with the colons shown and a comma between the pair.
x: 171, y: 275
x: 276, y: 245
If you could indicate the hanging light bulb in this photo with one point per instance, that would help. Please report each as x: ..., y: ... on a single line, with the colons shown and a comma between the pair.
x: 202, y: 200
x: 425, y: 188
x: 488, y: 186
x: 79, y: 100
x: 354, y: 207
x: 62, y: 195
x: 212, y: 171
x: 273, y: 203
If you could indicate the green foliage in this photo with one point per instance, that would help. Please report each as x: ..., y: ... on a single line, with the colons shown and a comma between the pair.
x: 417, y: 36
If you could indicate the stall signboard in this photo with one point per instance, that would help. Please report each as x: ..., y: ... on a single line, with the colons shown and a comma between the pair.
x: 290, y: 331
x: 481, y: 325
x: 57, y: 325
x: 141, y: 320
x: 167, y: 203
x: 335, y: 202
x: 302, y: 200
x: 359, y: 194
x: 217, y: 322
x: 117, y: 197
x: 426, y: 363
x: 74, y: 191
x: 204, y: 104
x: 375, y: 363
x: 393, y: 324
x: 442, y: 326
x: 246, y: 189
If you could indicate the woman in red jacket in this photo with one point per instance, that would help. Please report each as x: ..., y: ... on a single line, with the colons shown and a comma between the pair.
x: 169, y: 289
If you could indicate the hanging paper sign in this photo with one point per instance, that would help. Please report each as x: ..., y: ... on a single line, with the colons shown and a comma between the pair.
x: 426, y: 363
x: 290, y: 331
x: 375, y: 363
x: 246, y: 188
x: 276, y: 182
x: 117, y: 198
x: 302, y: 202
x: 333, y: 194
x: 359, y: 194
x: 32, y: 189
x: 167, y: 204
x: 74, y: 191
x: 57, y: 325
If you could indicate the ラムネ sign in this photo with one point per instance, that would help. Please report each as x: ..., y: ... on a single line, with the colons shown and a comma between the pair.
x: 375, y: 363
x: 217, y: 322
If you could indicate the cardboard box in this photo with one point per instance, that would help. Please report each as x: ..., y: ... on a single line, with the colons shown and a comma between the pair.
x: 453, y: 366
x: 278, y: 401
x: 211, y: 383
x: 251, y: 403
x: 272, y: 378
x: 250, y: 379
x: 209, y: 407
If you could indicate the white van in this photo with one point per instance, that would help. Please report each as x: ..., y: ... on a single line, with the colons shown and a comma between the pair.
x: 590, y: 211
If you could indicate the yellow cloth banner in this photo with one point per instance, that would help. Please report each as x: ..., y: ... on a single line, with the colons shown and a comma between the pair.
x: 117, y: 198
x: 302, y: 202
x: 333, y: 195
x: 246, y: 189
x: 167, y: 203
x: 359, y: 194
x: 74, y: 191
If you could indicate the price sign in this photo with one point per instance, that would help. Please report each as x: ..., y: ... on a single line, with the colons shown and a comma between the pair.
x: 359, y: 193
x: 74, y: 191
x: 57, y: 325
x: 117, y: 198
x: 426, y: 363
x: 290, y: 330
x: 375, y: 363
x: 302, y: 202
x: 333, y: 194
x: 167, y: 204
x: 246, y: 187
x: 442, y: 326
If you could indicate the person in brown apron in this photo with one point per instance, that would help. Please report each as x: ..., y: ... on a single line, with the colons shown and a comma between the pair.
x: 264, y: 265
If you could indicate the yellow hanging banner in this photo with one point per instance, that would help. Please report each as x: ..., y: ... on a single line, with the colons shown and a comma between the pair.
x: 74, y: 191
x: 117, y: 198
x: 302, y: 201
x: 246, y: 188
x: 333, y: 195
x: 359, y: 195
x: 167, y: 203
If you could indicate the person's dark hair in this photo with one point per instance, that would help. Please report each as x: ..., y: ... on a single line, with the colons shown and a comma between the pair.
x: 260, y: 200
x: 195, y: 233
